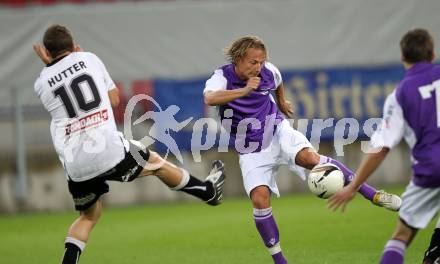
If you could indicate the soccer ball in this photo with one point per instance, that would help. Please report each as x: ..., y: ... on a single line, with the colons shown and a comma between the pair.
x: 325, y: 180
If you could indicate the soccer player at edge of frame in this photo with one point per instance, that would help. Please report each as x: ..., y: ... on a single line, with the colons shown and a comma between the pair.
x: 61, y: 86
x: 242, y: 91
x: 411, y: 111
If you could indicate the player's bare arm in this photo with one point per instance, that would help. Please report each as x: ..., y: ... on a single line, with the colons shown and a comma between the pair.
x: 113, y: 94
x: 284, y: 105
x: 367, y: 167
x: 225, y: 96
x: 42, y: 53
x: 77, y: 48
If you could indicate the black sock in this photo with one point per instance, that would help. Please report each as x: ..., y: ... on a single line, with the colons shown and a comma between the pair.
x: 71, y: 254
x: 197, y: 188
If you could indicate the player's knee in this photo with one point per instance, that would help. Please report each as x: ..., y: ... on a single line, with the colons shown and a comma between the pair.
x: 307, y: 158
x: 154, y: 164
x: 92, y: 215
x: 404, y: 233
x: 155, y: 158
x: 260, y: 197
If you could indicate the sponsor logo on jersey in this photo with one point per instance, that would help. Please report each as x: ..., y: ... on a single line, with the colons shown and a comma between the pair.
x: 87, y: 122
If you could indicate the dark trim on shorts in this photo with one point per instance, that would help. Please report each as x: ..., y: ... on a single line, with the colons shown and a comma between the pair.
x: 407, y: 225
x: 86, y: 193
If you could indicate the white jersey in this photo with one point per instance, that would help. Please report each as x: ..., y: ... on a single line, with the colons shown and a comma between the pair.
x: 394, y: 126
x: 74, y: 90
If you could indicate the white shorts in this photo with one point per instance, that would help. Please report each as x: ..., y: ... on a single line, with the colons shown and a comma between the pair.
x: 260, y: 168
x: 419, y: 205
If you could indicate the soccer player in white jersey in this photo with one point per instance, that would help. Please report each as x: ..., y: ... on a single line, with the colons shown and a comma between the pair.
x: 78, y: 92
x: 411, y: 111
x: 262, y: 136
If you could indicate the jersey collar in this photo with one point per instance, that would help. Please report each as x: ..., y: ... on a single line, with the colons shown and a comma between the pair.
x: 56, y: 60
x: 418, y: 67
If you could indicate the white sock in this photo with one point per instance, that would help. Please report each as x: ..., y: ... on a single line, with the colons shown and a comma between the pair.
x: 396, y: 246
x: 183, y: 182
x: 76, y: 242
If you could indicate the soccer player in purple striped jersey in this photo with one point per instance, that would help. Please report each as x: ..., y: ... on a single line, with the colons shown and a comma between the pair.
x: 262, y: 136
x: 411, y: 111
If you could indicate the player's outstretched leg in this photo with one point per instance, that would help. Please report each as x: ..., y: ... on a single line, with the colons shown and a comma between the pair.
x: 308, y: 158
x: 210, y: 190
x: 380, y: 198
x: 178, y: 179
x: 217, y: 177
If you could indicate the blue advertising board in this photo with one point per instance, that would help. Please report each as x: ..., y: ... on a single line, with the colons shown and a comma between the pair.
x: 336, y: 92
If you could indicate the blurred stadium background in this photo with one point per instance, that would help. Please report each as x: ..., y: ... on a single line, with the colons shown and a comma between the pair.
x: 339, y: 59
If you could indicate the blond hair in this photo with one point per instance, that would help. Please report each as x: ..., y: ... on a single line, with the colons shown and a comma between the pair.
x: 238, y: 48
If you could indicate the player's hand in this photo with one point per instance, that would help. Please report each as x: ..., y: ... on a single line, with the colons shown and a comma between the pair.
x: 342, y: 198
x: 286, y: 108
x: 42, y: 53
x: 252, y: 84
x: 77, y: 48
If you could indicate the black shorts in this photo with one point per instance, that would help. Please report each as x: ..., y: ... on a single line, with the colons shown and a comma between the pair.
x: 86, y: 193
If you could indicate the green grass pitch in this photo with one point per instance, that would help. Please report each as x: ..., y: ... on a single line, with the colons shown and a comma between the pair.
x: 195, y: 233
